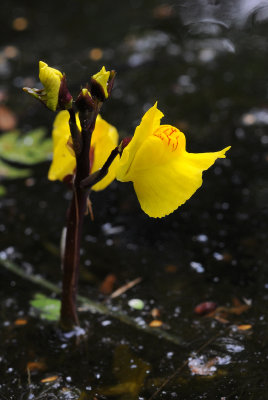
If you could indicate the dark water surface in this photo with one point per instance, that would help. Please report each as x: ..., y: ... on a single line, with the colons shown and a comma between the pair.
x: 206, y: 64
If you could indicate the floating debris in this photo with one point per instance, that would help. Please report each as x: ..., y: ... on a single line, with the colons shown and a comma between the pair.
x: 36, y: 365
x: 125, y: 287
x: 244, y: 327
x: 136, y: 304
x: 49, y: 379
x: 156, y: 323
x: 201, y: 366
x: 205, y: 308
x: 107, y: 285
x: 21, y: 322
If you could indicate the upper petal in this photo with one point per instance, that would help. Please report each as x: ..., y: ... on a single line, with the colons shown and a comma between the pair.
x: 149, y: 123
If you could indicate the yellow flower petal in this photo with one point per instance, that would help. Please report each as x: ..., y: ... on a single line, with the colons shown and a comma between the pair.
x: 63, y: 163
x: 102, y: 78
x: 164, y: 174
x: 104, y: 140
x: 51, y: 80
x: 149, y: 123
x: 166, y: 186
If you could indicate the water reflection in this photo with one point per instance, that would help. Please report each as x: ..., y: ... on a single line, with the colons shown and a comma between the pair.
x: 214, y: 16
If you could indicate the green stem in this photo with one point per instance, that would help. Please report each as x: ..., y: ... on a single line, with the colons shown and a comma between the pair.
x: 91, y: 305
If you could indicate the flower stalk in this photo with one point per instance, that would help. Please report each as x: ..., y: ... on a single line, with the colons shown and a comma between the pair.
x: 89, y: 107
x: 75, y: 217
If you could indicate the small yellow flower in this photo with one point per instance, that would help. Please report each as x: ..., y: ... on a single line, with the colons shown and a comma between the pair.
x: 164, y: 174
x: 104, y: 140
x: 102, y: 77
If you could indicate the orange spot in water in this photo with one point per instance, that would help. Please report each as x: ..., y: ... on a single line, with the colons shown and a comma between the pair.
x: 20, y: 322
x: 244, y: 327
x: 50, y: 379
x: 36, y: 366
x: 156, y: 323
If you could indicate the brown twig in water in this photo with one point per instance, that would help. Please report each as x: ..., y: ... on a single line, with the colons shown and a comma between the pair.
x: 125, y: 287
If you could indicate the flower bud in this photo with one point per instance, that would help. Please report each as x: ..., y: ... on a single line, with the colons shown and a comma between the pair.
x: 55, y: 93
x: 84, y: 100
x: 101, y: 84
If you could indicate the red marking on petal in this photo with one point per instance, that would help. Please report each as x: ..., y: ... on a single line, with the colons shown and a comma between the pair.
x: 168, y: 134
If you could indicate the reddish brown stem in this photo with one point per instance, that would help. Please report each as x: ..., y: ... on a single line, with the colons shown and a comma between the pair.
x: 72, y: 258
x: 75, y: 220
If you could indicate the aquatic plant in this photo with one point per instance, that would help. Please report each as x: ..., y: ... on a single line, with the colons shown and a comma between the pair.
x: 87, y: 156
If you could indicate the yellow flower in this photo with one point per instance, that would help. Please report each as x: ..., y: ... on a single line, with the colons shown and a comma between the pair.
x: 164, y: 174
x: 102, y: 78
x: 104, y: 140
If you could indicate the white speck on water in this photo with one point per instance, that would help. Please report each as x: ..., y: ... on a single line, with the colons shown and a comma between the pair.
x: 140, y: 321
x: 108, y: 229
x: 170, y: 354
x: 197, y: 267
x: 224, y: 360
x: 107, y: 322
x: 202, y: 238
x: 234, y: 348
x: 218, y: 256
x: 77, y: 331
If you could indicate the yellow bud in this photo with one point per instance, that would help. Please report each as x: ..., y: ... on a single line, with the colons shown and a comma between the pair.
x: 51, y: 79
x: 102, y: 78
